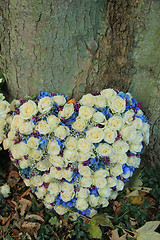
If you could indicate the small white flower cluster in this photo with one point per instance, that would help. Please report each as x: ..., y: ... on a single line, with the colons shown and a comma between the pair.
x: 75, y: 154
x: 5, y: 190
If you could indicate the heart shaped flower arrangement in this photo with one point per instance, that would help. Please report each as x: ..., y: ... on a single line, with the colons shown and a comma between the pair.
x: 75, y: 155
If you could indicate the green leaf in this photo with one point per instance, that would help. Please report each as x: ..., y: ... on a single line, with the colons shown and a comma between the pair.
x: 94, y: 230
x: 53, y: 221
x: 103, y: 220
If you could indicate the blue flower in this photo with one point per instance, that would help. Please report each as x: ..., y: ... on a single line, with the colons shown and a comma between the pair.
x: 44, y: 94
x: 43, y: 144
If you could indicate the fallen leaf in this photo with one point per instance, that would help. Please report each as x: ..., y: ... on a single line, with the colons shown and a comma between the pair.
x: 13, y: 178
x: 3, y: 219
x: 29, y: 227
x: 25, y: 193
x: 103, y: 220
x: 147, y: 232
x: 25, y: 205
x: 134, y: 193
x: 94, y: 230
x: 117, y: 207
x: 139, y: 200
x: 115, y: 235
x: 36, y: 217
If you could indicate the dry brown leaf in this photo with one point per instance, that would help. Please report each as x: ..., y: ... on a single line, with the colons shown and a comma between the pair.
x: 36, y: 217
x: 13, y: 178
x: 117, y: 207
x: 25, y: 205
x: 3, y: 219
x: 15, y: 233
x: 29, y: 227
x: 115, y: 235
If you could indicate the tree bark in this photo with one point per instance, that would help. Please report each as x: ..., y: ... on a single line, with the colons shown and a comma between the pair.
x: 79, y: 46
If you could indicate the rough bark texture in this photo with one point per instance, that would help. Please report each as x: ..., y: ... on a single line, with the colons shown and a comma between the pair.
x: 80, y: 46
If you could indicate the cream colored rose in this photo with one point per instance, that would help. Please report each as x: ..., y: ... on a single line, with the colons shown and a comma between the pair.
x: 33, y: 142
x: 61, y: 132
x: 67, y: 187
x: 103, y: 201
x: 47, y: 178
x: 84, y: 156
x: 109, y: 135
x: 47, y: 205
x: 28, y: 109
x: 82, y: 193
x: 9, y: 119
x: 45, y: 104
x: 117, y: 104
x: 16, y: 122
x: 83, y: 145
x: 93, y: 201
x: 120, y: 147
x: 128, y: 116
x: 11, y: 134
x: 113, y: 195
x: 139, y: 137
x: 145, y: 130
x: 43, y: 165
x: 55, y: 173
x: 60, y: 100
x: 104, y: 149
x: 67, y: 111
x: 79, y: 125
x: 27, y: 182
x: 134, y: 161
x: 67, y: 196
x: 49, y: 198
x: 129, y: 133
x: 35, y: 154
x: 19, y: 150
x: 2, y: 137
x: 26, y: 128
x: 100, y: 182
x: 41, y: 192
x: 135, y: 148
x: 86, y: 181
x: 37, y: 181
x: 60, y: 210
x: 100, y: 101
x: 43, y: 127
x: 101, y: 173
x: 104, y: 192
x: 146, y: 138
x: 53, y: 121
x: 116, y: 170
x: 127, y: 175
x: 53, y: 148
x: 98, y: 117
x: 115, y: 122
x: 7, y: 143
x: 4, y: 108
x: 108, y: 93
x: 119, y: 185
x: 53, y: 188
x: 70, y: 156
x: 81, y: 204
x: 111, y: 181
x: 87, y: 100
x: 2, y: 123
x: 24, y: 163
x: 119, y: 158
x: 137, y: 123
x: 85, y: 112
x: 56, y: 161
x: 95, y: 135
x: 84, y: 170
x: 67, y: 174
x: 71, y: 143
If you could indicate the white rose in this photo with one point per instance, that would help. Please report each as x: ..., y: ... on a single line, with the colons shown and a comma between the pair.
x: 57, y: 161
x: 116, y: 170
x: 86, y: 181
x: 67, y: 174
x: 118, y: 158
x: 43, y: 127
x: 60, y: 210
x: 84, y: 156
x: 137, y: 123
x: 120, y: 147
x: 53, y: 148
x: 103, y: 201
x: 60, y: 100
x: 7, y: 143
x: 111, y: 181
x: 5, y: 190
x: 67, y: 111
x: 27, y: 182
x: 127, y: 175
x: 82, y: 193
x: 93, y: 201
x: 53, y: 121
x: 117, y: 104
x: 134, y: 161
x: 53, y: 188
x: 37, y: 181
x: 43, y: 165
x: 87, y: 100
x: 41, y: 192
x: 33, y: 142
x: 104, y: 192
x: 145, y: 130
x: 86, y: 112
x: 92, y: 213
x: 119, y: 185
x: 45, y: 104
x: 100, y: 101
x: 108, y: 93
x: 17, y: 122
x: 24, y: 164
x: 49, y: 198
x: 98, y: 117
x: 70, y: 156
x: 128, y: 116
x: 28, y: 109
x: 115, y: 122
x: 95, y: 135
x: 47, y: 178
x: 81, y: 204
x: 79, y: 125
x: 139, y: 138
x: 26, y: 128
x: 35, y: 154
x: 47, y: 205
x: 55, y: 173
x: 84, y: 145
x: 135, y: 148
x: 71, y: 143
x: 104, y: 149
x: 19, y: 150
x: 101, y: 173
x: 61, y: 132
x: 146, y: 138
x: 2, y: 123
x: 67, y: 196
x: 11, y: 134
x: 100, y: 182
x: 129, y: 133
x: 2, y: 137
x: 4, y: 108
x: 67, y: 187
x: 113, y: 195
x: 84, y: 170
x: 109, y: 135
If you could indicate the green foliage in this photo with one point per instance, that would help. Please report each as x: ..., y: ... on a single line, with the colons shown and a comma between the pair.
x: 80, y: 230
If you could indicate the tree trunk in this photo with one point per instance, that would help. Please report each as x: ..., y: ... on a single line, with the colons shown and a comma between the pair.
x: 80, y: 46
